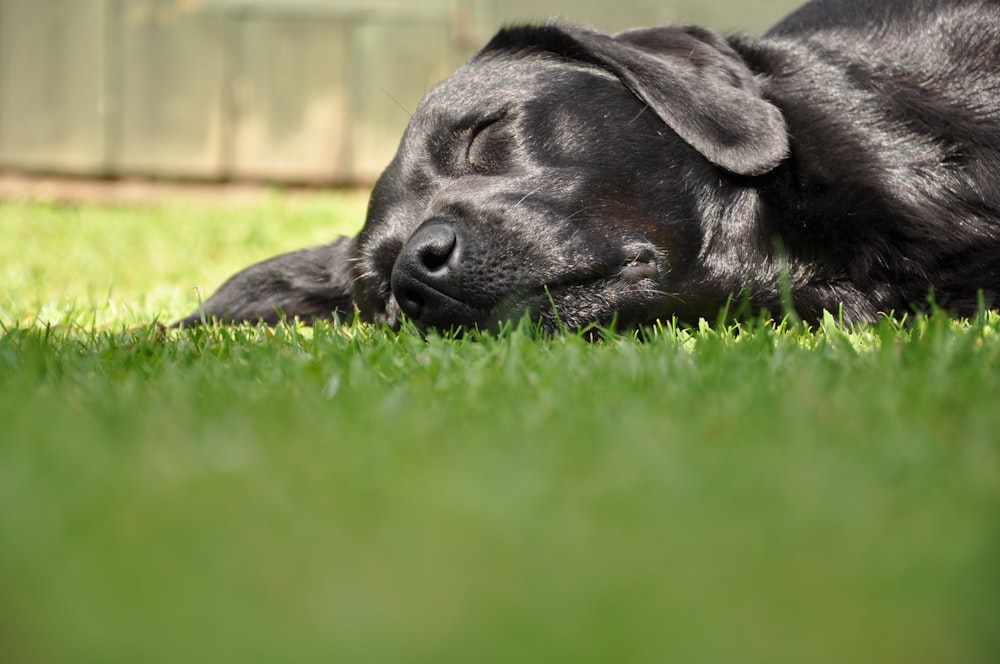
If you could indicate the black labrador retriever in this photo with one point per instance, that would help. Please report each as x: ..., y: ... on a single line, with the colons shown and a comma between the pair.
x: 847, y: 161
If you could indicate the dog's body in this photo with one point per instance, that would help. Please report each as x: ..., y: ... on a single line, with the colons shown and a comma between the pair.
x: 848, y: 160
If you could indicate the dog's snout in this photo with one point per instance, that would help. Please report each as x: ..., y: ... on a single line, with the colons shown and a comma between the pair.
x: 427, y: 277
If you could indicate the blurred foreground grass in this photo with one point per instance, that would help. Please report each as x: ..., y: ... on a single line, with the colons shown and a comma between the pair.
x: 756, y: 494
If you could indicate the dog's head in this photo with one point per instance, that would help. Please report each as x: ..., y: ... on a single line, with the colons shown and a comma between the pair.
x: 562, y: 173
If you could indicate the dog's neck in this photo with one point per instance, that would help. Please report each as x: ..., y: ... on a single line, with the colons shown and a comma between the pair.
x: 861, y: 212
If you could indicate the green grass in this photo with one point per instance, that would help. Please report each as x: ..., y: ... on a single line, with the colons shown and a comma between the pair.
x: 765, y: 493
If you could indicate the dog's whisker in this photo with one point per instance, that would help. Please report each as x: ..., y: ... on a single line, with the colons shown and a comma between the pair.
x: 637, y: 115
x: 409, y: 113
x: 579, y: 212
x: 526, y: 197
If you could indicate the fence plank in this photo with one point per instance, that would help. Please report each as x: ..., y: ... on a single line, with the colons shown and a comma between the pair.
x: 51, y: 85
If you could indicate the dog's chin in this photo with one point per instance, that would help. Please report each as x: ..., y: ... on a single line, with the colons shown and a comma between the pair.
x: 609, y: 303
x: 614, y: 302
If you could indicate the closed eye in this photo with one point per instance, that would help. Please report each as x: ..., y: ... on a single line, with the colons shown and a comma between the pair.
x: 475, y: 154
x: 490, y: 142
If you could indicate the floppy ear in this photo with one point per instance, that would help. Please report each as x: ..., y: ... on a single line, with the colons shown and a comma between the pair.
x: 313, y: 284
x: 701, y: 87
x: 690, y: 77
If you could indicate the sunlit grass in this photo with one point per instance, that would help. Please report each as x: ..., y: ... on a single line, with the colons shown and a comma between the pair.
x: 88, y: 265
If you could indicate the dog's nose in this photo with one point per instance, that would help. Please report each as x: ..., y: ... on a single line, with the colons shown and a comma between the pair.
x: 427, y: 277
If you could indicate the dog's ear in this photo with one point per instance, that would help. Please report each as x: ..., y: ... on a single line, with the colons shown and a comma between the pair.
x: 704, y: 91
x: 313, y: 284
x: 690, y: 77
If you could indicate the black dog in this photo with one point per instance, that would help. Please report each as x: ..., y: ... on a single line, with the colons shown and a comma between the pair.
x: 848, y: 160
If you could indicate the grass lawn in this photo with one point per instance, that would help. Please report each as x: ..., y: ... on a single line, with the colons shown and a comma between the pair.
x: 759, y: 494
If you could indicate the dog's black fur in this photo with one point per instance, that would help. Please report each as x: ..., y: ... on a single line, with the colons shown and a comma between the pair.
x: 849, y: 159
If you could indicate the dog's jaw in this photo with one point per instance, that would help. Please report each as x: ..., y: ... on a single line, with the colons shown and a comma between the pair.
x: 626, y: 286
